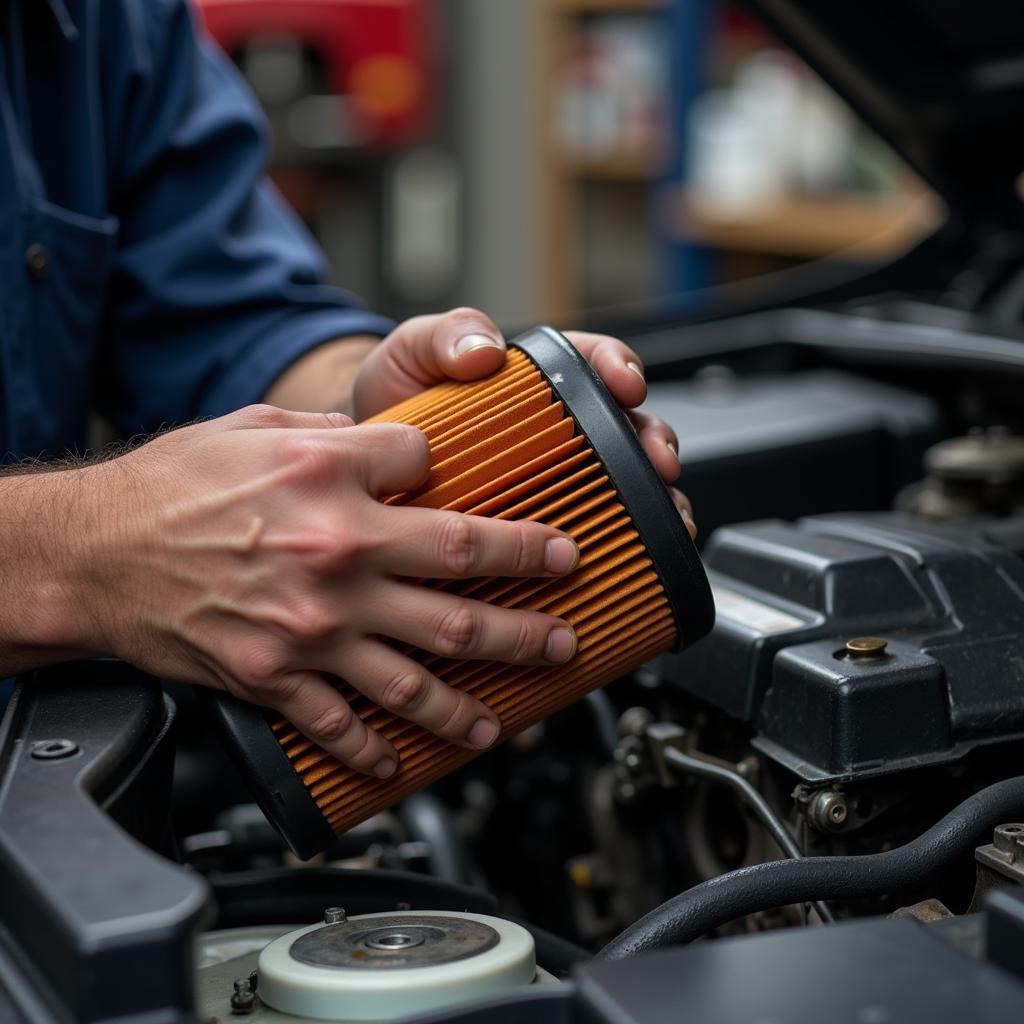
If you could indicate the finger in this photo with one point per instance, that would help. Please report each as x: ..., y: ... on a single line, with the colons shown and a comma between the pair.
x: 659, y: 442
x: 452, y: 545
x: 682, y: 503
x: 456, y: 627
x: 616, y: 364
x: 400, y: 685
x: 392, y: 457
x: 320, y: 713
x: 462, y: 344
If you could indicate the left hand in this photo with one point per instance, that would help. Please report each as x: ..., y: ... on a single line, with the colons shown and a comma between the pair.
x: 465, y: 344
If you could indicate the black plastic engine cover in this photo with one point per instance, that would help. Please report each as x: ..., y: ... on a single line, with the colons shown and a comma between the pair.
x: 948, y: 599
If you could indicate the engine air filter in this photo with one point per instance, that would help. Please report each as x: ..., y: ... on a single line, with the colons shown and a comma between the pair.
x: 543, y: 440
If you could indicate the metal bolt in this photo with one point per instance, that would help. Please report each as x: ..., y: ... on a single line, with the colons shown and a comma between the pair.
x: 828, y: 810
x: 243, y: 999
x: 335, y: 915
x: 53, y: 750
x: 634, y: 721
x: 862, y: 648
x: 1009, y: 840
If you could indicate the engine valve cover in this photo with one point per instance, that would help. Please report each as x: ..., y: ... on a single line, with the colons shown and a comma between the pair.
x: 947, y: 600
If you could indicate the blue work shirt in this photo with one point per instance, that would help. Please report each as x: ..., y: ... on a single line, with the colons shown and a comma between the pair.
x: 147, y: 271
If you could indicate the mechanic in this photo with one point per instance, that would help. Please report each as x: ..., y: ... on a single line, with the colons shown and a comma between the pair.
x: 149, y: 273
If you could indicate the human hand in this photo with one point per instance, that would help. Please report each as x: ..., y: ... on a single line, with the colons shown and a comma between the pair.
x: 464, y: 344
x: 250, y: 553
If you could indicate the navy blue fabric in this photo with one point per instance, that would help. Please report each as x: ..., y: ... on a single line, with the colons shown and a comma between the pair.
x: 171, y: 281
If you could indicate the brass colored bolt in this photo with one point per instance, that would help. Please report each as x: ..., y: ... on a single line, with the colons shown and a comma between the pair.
x: 863, y: 647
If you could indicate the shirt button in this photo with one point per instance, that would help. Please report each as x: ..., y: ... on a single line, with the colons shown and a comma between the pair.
x: 37, y: 260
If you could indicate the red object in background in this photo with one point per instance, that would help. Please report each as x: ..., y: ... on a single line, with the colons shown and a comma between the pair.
x: 379, y: 54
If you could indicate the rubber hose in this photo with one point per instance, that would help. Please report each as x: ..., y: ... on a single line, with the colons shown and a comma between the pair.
x: 779, y: 883
x: 428, y: 819
x: 606, y: 722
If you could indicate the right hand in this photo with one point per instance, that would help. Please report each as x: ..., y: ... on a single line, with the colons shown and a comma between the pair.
x: 251, y: 553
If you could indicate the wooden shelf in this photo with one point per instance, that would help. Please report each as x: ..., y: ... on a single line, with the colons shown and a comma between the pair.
x: 860, y: 227
x: 565, y: 177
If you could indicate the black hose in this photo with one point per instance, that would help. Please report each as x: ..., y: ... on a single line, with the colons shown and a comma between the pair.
x: 753, y: 799
x: 606, y: 721
x: 427, y: 818
x: 779, y: 883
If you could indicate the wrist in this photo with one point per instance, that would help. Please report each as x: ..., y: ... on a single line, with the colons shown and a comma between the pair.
x: 45, y: 528
x: 322, y: 379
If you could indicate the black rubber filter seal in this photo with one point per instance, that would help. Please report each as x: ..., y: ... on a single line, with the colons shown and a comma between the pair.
x: 640, y: 489
x: 279, y: 789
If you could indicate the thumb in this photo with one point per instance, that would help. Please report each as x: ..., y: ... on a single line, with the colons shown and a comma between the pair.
x: 466, y: 345
x: 462, y: 344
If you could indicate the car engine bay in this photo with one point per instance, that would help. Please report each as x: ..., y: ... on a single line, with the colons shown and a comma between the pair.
x: 839, y: 749
x: 814, y: 813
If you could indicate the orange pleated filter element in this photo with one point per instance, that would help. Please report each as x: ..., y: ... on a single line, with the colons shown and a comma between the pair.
x: 542, y: 440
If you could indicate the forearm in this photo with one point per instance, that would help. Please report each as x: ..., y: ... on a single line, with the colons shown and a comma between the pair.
x: 321, y: 381
x: 45, y: 523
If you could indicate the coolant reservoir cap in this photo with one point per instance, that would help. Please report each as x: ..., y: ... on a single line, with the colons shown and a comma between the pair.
x: 385, y: 966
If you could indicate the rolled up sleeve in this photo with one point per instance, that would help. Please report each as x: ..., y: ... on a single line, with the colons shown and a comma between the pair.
x: 217, y: 287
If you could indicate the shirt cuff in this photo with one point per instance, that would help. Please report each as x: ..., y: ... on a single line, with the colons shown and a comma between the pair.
x: 249, y: 378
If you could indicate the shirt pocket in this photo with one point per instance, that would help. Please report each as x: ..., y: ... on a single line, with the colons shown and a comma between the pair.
x: 68, y: 260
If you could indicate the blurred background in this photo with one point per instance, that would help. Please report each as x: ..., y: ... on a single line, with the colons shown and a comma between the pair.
x: 546, y: 159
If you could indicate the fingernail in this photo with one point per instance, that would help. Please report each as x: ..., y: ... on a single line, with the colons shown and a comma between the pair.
x: 561, y: 645
x: 636, y: 369
x: 560, y: 555
x: 672, y: 448
x: 483, y: 733
x: 471, y: 342
x: 385, y: 768
x: 688, y: 519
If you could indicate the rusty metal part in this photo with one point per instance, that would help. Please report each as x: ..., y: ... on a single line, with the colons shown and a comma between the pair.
x: 927, y: 911
x: 1005, y: 854
x: 999, y: 864
x: 408, y: 940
